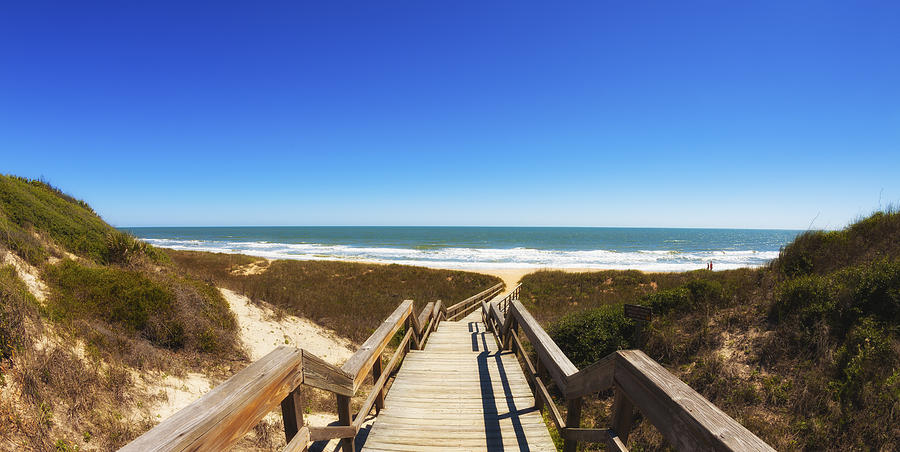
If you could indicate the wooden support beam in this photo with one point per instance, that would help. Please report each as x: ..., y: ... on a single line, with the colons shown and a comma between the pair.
x: 331, y: 432
x: 343, y: 409
x: 622, y: 415
x: 586, y: 435
x: 292, y: 414
x: 378, y: 391
x: 573, y: 421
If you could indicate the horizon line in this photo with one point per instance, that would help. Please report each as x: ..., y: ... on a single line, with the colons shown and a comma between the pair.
x: 468, y: 226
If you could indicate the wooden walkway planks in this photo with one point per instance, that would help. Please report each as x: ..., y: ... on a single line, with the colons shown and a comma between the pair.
x: 460, y: 393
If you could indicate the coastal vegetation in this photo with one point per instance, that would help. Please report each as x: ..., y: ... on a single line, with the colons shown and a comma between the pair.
x: 91, y: 318
x: 804, y: 352
x: 347, y: 297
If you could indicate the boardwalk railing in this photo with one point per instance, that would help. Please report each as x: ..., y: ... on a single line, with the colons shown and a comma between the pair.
x: 469, y: 305
x: 685, y: 418
x: 224, y: 415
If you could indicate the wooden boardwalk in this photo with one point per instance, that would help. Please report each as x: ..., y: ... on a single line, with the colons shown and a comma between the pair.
x: 460, y: 393
x: 454, y: 389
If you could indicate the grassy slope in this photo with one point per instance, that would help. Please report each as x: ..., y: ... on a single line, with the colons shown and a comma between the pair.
x: 117, y: 306
x: 805, y: 352
x: 29, y: 209
x: 121, y: 306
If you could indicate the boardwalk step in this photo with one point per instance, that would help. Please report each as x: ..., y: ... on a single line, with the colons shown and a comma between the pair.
x: 460, y: 393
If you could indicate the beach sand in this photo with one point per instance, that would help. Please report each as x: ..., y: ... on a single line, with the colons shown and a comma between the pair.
x: 512, y: 276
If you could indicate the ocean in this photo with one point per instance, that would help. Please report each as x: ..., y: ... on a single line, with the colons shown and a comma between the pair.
x: 647, y: 249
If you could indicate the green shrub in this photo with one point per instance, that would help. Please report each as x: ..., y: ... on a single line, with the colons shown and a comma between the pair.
x: 664, y: 301
x: 590, y: 335
x: 705, y: 293
x: 821, y: 252
x: 124, y: 248
x: 875, y: 290
x: 811, y: 297
x: 863, y: 360
x: 121, y: 297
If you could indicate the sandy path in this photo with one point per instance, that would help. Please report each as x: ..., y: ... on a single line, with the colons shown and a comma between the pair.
x: 261, y: 332
x: 27, y: 273
x: 512, y: 276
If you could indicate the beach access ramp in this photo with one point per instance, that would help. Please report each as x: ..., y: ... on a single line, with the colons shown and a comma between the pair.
x: 480, y: 375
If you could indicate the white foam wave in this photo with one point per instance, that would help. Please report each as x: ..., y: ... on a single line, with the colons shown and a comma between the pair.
x: 484, y: 258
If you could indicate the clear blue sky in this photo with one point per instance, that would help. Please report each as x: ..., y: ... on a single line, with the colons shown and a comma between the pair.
x: 601, y: 113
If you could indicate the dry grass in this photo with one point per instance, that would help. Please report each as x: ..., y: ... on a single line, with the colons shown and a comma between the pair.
x: 349, y: 298
x: 50, y: 396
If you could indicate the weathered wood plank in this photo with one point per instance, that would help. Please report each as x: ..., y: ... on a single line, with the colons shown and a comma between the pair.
x: 622, y: 415
x: 346, y: 419
x: 299, y: 442
x: 555, y: 416
x: 573, y: 422
x: 378, y: 387
x: 292, y: 414
x: 483, y: 294
x: 231, y: 409
x: 422, y: 319
x: 594, y: 378
x: 685, y: 418
x: 590, y: 435
x: 360, y: 363
x: 614, y: 443
x: 453, y: 396
x: 555, y: 361
x: 331, y: 432
x: 322, y: 375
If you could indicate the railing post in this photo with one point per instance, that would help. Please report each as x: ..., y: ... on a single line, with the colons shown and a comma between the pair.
x: 344, y: 418
x: 292, y: 414
x: 622, y: 415
x: 376, y: 374
x: 507, y: 339
x: 413, y: 339
x: 573, y: 420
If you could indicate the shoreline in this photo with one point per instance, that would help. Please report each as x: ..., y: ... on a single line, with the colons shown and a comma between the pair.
x: 509, y: 275
x: 512, y: 276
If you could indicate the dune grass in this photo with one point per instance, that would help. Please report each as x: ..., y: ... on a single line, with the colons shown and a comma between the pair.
x: 44, y: 387
x: 33, y: 207
x: 350, y: 298
x: 805, y: 353
x: 167, y: 310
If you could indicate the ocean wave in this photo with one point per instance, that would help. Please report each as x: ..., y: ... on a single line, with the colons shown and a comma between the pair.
x: 485, y: 258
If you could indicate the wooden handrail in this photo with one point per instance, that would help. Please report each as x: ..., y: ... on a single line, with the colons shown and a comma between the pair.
x: 361, y: 362
x: 684, y: 417
x: 225, y: 414
x: 463, y: 308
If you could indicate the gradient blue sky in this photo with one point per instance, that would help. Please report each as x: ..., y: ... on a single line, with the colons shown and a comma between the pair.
x: 603, y: 113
